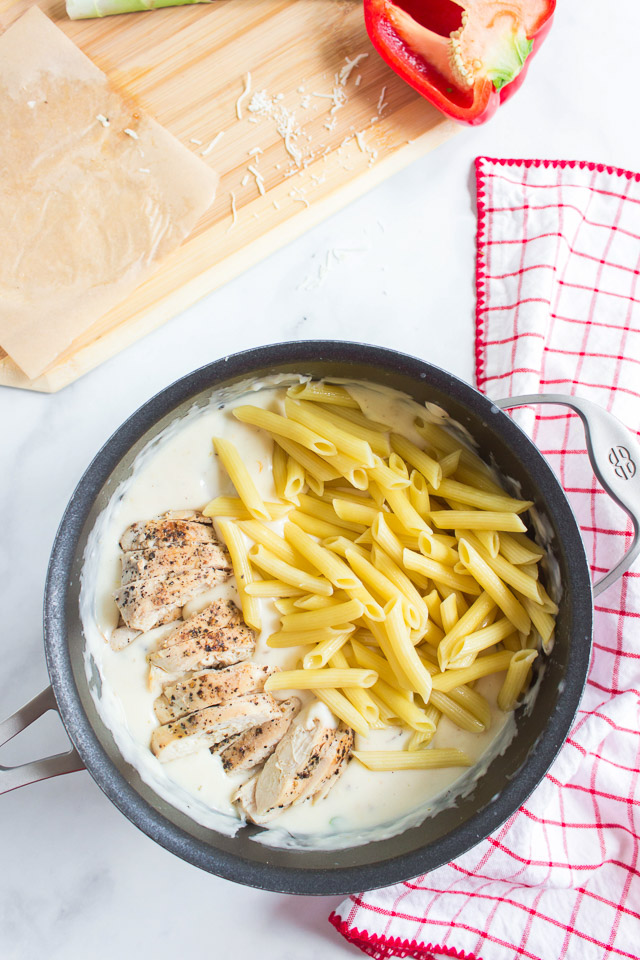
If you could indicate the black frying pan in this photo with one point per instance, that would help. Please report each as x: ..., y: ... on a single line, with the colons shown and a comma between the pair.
x: 510, y: 777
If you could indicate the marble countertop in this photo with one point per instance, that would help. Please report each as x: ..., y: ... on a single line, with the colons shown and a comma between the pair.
x: 77, y: 879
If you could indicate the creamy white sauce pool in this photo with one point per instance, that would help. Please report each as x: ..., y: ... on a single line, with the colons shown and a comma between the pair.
x: 178, y: 470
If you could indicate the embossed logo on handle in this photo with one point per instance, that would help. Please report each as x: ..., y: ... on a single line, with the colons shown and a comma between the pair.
x: 622, y: 463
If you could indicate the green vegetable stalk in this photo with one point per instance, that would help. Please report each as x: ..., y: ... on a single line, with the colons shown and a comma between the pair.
x: 84, y: 9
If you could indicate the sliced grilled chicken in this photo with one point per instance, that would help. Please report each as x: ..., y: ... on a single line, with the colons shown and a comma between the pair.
x: 192, y: 515
x: 307, y: 762
x: 216, y: 637
x: 255, y: 746
x: 140, y: 602
x: 175, y: 560
x: 206, y: 727
x: 209, y: 687
x: 165, y: 531
x: 122, y: 637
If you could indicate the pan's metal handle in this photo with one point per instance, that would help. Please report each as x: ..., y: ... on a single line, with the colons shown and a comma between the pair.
x: 615, y: 457
x: 20, y: 776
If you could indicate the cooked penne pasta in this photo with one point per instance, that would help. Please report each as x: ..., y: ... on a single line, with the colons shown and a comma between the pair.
x: 269, y: 562
x: 411, y: 664
x: 242, y: 572
x: 519, y: 551
x: 285, y: 427
x: 476, y: 520
x: 493, y: 585
x: 516, y: 679
x: 478, y: 478
x: 397, y: 464
x: 542, y: 621
x: 327, y: 678
x: 316, y: 486
x: 456, y: 713
x: 376, y: 435
x: 490, y: 541
x: 352, y: 470
x: 343, y: 709
x: 325, y: 650
x: 386, y: 477
x: 333, y: 568
x: 463, y: 493
x: 482, y: 667
x: 299, y: 638
x: 319, y: 391
x: 430, y: 546
x: 340, y: 545
x: 318, y: 527
x: 343, y: 440
x: 440, y: 572
x: 310, y: 463
x: 423, y: 463
x: 384, y: 587
x: 235, y: 508
x: 325, y: 511
x: 449, y: 612
x: 272, y: 588
x: 335, y: 615
x: 257, y: 532
x: 279, y: 470
x: 355, y: 415
x: 314, y: 602
x: 445, y: 443
x: 418, y: 494
x: 371, y: 660
x: 429, y: 759
x: 408, y: 516
x: 295, y: 479
x: 467, y: 623
x: 355, y: 512
x: 240, y: 478
x: 473, y: 702
x: 409, y: 712
x: 286, y: 605
x: 514, y: 576
x: 473, y: 643
x: 450, y: 463
x: 361, y: 699
x: 432, y: 603
x: 399, y: 579
x: 423, y: 739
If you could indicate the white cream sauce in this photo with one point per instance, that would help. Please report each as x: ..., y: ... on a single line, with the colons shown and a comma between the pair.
x: 177, y: 470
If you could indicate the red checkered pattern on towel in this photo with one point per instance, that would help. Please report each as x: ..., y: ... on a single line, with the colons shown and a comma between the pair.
x: 558, y: 310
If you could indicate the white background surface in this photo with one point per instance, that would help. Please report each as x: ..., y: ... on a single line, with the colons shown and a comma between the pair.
x: 76, y: 879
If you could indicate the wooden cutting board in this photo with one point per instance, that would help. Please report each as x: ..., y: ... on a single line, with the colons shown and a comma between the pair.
x: 319, y: 132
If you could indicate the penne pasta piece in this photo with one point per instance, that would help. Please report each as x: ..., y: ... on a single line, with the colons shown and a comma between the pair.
x: 482, y: 479
x: 376, y: 435
x: 325, y: 511
x: 383, y: 475
x: 319, y: 679
x: 423, y: 463
x: 399, y: 579
x: 360, y: 513
x: 467, y: 623
x: 241, y: 479
x: 336, y: 614
x: 318, y: 527
x: 432, y: 603
x: 384, y: 587
x: 286, y: 605
x: 257, y: 532
x: 450, y: 463
x: 295, y: 479
x: 439, y: 571
x: 473, y: 702
x: 397, y: 464
x: 314, y: 602
x: 449, y: 612
x: 319, y: 391
x: 370, y: 660
x: 408, y: 516
x: 411, y: 664
x: 508, y: 572
x: 471, y: 496
x: 542, y: 621
x: 235, y: 508
x: 493, y: 585
x: 272, y: 588
x: 423, y: 739
x: 512, y: 643
x: 310, y: 463
x: 325, y: 651
x: 430, y: 546
x: 490, y: 541
x: 361, y: 699
x: 531, y: 570
x: 482, y: 667
x: 340, y: 545
x: 473, y: 643
x: 476, y: 520
x: 381, y: 638
x: 332, y: 566
x: 269, y: 562
x: 456, y: 713
x: 519, y: 551
x: 343, y: 440
x: 242, y: 572
x: 419, y: 494
x: 428, y: 759
x: 516, y: 679
x: 279, y: 470
x: 432, y: 634
x: 316, y: 486
x: 284, y: 427
x: 445, y: 443
x: 336, y: 492
x: 410, y: 713
x: 340, y: 706
x: 298, y: 638
x: 548, y: 604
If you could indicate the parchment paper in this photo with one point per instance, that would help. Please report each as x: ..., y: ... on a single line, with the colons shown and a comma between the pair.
x: 87, y: 209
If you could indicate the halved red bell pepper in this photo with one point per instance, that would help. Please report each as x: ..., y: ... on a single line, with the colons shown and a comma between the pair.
x: 464, y: 56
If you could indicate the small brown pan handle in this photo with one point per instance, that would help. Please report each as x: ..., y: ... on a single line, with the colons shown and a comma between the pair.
x: 20, y: 776
x: 614, y: 453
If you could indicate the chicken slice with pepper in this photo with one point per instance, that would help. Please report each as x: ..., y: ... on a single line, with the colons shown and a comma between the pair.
x: 208, y: 688
x: 216, y: 637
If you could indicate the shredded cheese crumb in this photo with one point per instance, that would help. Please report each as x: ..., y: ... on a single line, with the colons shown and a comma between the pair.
x: 100, y: 118
x: 245, y: 180
x: 245, y: 93
x: 216, y: 139
x: 255, y: 152
x: 131, y: 133
x: 349, y: 66
x: 144, y: 170
x: 198, y: 143
x: 234, y: 212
